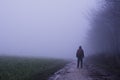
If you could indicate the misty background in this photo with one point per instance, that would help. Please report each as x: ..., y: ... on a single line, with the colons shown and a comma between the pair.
x: 49, y: 28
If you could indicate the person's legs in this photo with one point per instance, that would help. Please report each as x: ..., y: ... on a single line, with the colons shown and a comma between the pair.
x: 81, y: 63
x: 78, y: 61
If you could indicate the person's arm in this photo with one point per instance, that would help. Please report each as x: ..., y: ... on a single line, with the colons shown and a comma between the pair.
x: 77, y: 53
x: 83, y: 54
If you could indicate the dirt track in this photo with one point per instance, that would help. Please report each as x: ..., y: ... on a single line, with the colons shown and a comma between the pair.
x: 70, y: 72
x: 88, y: 72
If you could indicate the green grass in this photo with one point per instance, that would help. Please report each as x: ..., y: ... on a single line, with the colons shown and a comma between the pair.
x: 18, y: 68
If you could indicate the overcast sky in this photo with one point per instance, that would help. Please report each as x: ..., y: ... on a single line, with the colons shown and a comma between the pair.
x: 52, y: 28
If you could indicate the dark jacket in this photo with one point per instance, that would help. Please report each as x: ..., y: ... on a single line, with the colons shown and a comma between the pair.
x: 80, y: 53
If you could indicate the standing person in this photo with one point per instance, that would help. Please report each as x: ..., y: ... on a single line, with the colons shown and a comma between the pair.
x: 80, y: 56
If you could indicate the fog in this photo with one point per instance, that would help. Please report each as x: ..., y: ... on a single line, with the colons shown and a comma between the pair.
x: 47, y: 28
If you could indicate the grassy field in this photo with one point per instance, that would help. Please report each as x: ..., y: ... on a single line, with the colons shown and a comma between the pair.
x: 18, y: 68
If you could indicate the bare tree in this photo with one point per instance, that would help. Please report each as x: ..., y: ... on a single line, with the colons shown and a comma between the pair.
x: 105, y: 34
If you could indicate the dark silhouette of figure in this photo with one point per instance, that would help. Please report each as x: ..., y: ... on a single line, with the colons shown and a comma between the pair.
x: 80, y: 56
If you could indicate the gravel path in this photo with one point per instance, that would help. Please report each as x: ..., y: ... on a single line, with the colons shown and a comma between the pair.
x: 70, y: 72
x: 88, y: 72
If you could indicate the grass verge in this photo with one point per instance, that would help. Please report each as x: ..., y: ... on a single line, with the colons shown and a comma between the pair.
x: 107, y: 63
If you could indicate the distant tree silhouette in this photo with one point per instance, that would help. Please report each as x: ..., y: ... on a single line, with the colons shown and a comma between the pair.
x: 104, y: 36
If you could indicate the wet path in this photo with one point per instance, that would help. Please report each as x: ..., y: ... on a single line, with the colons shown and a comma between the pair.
x: 88, y: 72
x: 70, y: 72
